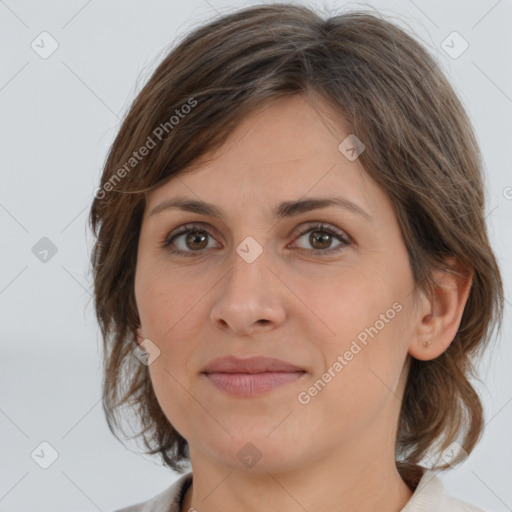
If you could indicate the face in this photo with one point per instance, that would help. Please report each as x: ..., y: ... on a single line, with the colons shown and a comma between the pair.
x: 327, y: 289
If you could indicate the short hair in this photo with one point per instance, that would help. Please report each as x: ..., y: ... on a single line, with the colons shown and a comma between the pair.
x: 419, y: 148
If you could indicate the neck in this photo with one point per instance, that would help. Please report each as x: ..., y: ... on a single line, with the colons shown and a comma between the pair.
x: 358, y: 487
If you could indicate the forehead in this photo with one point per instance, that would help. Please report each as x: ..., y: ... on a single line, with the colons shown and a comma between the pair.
x: 294, y: 128
x: 288, y: 146
x: 281, y: 154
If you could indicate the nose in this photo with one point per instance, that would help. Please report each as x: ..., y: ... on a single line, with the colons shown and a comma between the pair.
x: 250, y: 298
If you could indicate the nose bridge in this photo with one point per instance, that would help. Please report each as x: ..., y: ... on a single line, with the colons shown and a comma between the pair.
x: 249, y: 276
x: 250, y: 263
x: 248, y: 293
x: 250, y: 258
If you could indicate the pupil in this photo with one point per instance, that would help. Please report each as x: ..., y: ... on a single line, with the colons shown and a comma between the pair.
x: 195, y: 238
x: 325, y: 238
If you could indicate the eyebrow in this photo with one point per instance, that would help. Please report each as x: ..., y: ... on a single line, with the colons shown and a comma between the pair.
x: 281, y: 211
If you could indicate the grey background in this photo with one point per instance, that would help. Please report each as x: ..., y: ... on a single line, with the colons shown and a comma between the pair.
x: 58, y: 117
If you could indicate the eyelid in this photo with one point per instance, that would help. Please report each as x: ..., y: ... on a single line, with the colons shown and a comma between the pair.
x: 189, y: 226
x: 304, y: 225
x: 303, y: 228
x: 322, y: 225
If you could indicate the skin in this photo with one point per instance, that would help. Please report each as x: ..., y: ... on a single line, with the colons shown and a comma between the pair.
x: 197, y: 308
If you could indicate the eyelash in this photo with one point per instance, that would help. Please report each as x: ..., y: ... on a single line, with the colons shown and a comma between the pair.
x: 318, y: 226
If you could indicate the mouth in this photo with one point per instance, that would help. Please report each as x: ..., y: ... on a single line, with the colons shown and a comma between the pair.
x: 251, y: 377
x: 251, y: 384
x: 257, y: 364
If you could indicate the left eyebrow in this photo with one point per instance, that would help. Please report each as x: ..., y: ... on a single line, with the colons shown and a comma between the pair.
x: 281, y: 211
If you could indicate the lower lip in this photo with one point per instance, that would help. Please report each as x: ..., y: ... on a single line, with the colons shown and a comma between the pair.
x: 251, y: 384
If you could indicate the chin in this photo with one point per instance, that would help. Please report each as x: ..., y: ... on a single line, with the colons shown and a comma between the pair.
x: 256, y: 454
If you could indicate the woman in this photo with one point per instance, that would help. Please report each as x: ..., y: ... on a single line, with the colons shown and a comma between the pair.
x: 292, y: 269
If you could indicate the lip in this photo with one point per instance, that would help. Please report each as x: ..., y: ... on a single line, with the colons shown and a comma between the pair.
x: 251, y: 377
x: 251, y: 384
x: 257, y: 364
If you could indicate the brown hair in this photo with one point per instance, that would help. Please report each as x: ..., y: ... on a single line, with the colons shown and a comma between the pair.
x: 420, y: 149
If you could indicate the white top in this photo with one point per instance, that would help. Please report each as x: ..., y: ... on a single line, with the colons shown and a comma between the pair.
x: 429, y: 496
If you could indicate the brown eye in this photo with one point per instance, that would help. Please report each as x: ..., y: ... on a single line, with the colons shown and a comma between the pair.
x: 321, y: 236
x: 196, y: 240
x: 320, y: 239
x: 189, y: 240
x: 192, y: 240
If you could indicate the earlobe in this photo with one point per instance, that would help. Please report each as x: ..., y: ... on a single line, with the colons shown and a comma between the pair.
x: 440, y: 315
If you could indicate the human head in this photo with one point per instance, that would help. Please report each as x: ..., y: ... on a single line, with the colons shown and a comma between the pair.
x: 419, y: 150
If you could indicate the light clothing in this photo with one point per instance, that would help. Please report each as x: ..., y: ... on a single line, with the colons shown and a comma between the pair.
x: 429, y: 496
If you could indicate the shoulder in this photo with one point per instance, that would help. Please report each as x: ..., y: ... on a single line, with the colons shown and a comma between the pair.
x: 166, y: 501
x: 459, y: 505
x: 430, y: 496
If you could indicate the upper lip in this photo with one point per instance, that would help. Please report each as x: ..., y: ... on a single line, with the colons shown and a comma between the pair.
x: 259, y: 364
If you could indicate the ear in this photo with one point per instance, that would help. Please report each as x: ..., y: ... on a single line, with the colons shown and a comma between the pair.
x: 439, y: 316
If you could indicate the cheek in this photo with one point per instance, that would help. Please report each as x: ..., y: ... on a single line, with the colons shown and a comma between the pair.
x: 360, y: 381
x: 365, y: 334
x: 345, y: 302
x: 170, y: 391
x: 166, y: 300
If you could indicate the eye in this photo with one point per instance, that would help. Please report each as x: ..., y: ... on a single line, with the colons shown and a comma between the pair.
x: 192, y: 239
x: 195, y: 240
x: 321, y: 236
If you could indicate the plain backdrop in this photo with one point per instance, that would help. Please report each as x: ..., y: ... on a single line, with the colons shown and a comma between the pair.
x: 58, y: 116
